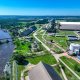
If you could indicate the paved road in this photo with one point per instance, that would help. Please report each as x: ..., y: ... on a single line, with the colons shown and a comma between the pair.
x: 53, y: 53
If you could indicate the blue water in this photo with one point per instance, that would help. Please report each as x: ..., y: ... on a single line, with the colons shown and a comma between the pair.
x: 6, y: 51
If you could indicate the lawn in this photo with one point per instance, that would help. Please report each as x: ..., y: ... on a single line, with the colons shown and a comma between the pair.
x: 63, y: 32
x: 57, y: 50
x: 69, y: 74
x: 38, y: 26
x: 47, y: 58
x: 72, y: 64
x: 61, y: 41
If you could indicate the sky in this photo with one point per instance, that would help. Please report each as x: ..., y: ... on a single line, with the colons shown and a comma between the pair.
x: 40, y: 7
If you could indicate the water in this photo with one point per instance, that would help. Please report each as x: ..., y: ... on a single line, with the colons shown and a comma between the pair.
x: 6, y: 51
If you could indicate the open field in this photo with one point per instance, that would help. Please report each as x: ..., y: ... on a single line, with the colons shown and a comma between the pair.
x: 46, y: 58
x: 64, y: 32
x: 61, y: 41
x: 72, y: 64
x: 69, y: 75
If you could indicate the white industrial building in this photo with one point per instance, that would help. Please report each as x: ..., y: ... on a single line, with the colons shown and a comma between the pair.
x: 74, y: 48
x: 70, y: 25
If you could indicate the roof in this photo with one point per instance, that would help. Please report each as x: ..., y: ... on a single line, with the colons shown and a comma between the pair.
x: 43, y: 71
x: 70, y: 25
x: 28, y: 31
x: 73, y: 38
x: 73, y: 44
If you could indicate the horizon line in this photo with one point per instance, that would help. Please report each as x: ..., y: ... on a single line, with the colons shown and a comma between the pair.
x: 36, y: 15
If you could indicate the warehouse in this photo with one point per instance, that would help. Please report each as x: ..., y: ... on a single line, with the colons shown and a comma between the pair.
x: 74, y: 48
x: 43, y: 71
x: 28, y: 31
x: 72, y: 38
x: 70, y: 25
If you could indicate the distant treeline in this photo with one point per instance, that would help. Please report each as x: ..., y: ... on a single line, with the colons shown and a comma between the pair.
x: 7, y: 22
x: 38, y: 17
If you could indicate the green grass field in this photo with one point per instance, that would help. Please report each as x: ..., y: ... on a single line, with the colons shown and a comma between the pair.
x: 47, y: 58
x: 72, y: 64
x: 69, y: 74
x: 61, y: 41
x: 62, y: 32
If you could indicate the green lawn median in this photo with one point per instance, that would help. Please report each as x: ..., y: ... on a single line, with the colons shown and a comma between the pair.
x: 72, y: 64
x: 47, y: 58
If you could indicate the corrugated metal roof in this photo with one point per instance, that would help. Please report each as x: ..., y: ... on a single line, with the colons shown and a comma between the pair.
x: 70, y: 27
x: 28, y: 31
x: 43, y: 71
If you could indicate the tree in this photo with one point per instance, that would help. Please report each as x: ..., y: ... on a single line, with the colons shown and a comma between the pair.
x: 20, y: 58
x: 77, y: 68
x: 53, y: 28
x: 43, y: 21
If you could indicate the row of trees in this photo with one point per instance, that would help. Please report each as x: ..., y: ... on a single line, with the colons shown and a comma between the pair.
x: 54, y: 27
x: 43, y: 21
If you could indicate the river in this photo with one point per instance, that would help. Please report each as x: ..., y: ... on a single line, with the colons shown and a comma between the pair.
x: 6, y: 50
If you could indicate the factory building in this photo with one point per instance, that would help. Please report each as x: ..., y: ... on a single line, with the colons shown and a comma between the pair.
x: 70, y: 25
x: 74, y: 48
